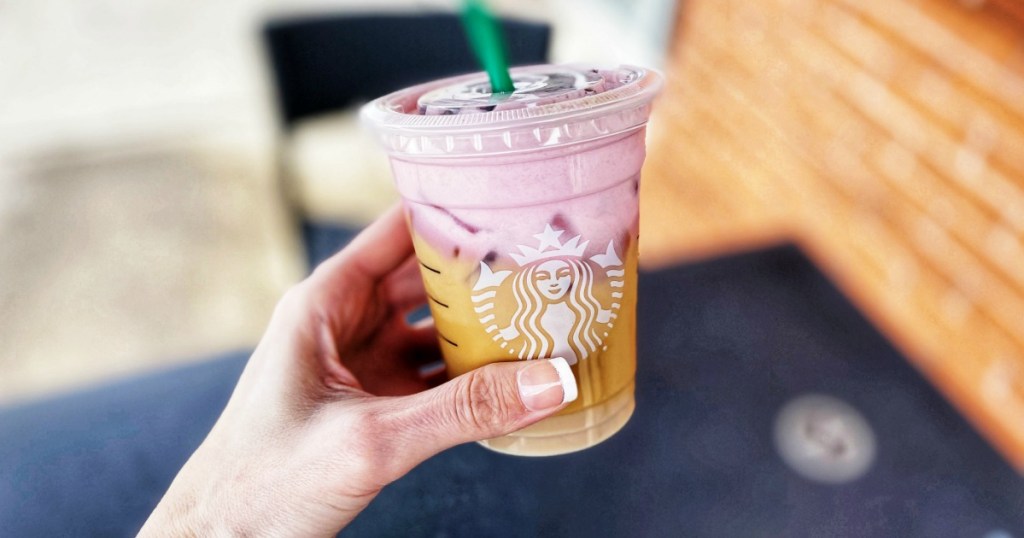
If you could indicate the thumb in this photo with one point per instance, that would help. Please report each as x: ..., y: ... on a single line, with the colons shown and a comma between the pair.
x: 488, y: 402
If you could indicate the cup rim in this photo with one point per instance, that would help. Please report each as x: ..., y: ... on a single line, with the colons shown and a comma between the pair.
x: 387, y: 115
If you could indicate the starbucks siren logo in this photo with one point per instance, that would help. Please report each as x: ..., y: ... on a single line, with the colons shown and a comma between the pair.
x: 557, y: 314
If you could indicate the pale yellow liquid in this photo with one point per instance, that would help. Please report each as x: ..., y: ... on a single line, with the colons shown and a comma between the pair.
x: 605, y: 377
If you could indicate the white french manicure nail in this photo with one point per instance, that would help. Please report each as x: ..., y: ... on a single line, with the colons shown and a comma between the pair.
x: 537, y: 378
x: 569, y: 390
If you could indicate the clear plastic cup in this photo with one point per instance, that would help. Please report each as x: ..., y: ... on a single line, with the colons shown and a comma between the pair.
x: 524, y: 215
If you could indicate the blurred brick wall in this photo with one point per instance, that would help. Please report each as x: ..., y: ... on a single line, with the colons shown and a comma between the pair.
x: 886, y: 137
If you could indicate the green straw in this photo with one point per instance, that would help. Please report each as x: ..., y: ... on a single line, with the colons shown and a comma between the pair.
x: 485, y: 37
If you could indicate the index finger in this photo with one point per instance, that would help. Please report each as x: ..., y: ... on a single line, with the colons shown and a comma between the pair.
x: 375, y: 253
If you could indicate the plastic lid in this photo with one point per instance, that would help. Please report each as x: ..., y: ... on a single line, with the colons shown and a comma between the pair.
x: 553, y: 105
x: 531, y: 89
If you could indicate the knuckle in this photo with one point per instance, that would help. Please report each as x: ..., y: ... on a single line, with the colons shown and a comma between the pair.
x: 294, y: 299
x: 371, y: 456
x: 482, y: 403
x: 297, y: 305
x: 366, y: 424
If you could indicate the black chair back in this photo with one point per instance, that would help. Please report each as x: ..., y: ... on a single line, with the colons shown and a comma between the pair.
x: 327, y: 63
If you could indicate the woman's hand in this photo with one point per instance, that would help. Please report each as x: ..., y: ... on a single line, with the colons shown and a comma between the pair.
x: 336, y: 402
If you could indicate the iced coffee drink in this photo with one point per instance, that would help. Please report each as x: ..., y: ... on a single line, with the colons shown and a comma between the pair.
x: 524, y: 213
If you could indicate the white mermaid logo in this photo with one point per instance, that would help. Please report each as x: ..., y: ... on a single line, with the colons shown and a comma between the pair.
x: 557, y: 314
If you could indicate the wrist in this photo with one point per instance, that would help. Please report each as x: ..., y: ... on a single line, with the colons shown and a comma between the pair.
x: 218, y: 493
x: 199, y: 502
x: 183, y: 511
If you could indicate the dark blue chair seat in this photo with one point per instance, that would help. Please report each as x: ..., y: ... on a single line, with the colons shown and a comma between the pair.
x: 722, y: 346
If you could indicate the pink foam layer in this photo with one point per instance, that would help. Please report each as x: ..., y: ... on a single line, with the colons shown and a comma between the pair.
x: 486, y: 208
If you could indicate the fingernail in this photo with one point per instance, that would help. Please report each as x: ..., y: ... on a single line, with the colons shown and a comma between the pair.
x: 546, y: 383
